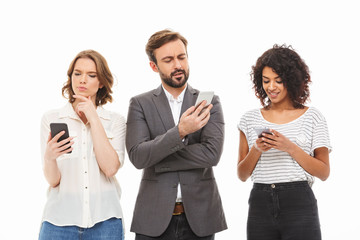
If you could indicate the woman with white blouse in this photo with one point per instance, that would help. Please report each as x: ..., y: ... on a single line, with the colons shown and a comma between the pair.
x: 84, y: 196
x: 283, y: 146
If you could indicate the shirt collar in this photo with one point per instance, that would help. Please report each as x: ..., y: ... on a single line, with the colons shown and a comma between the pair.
x: 171, y: 98
x: 68, y: 111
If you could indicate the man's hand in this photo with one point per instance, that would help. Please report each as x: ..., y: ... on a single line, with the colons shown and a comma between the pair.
x: 194, y: 119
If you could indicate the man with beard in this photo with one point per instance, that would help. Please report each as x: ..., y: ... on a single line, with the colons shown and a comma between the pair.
x: 178, y: 196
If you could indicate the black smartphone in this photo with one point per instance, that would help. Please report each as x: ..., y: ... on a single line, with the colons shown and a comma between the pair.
x: 58, y: 127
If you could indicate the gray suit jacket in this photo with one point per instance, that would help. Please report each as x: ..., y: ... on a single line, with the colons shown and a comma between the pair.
x: 153, y: 144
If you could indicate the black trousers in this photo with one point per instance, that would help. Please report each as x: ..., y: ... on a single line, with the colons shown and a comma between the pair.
x: 283, y: 211
x: 178, y: 229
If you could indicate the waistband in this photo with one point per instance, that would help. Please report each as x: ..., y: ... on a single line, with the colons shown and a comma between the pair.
x: 280, y: 186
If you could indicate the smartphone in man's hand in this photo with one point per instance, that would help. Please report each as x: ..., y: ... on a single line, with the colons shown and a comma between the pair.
x: 208, y: 96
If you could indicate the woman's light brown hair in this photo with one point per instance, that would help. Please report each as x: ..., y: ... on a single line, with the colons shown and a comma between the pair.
x: 103, y: 73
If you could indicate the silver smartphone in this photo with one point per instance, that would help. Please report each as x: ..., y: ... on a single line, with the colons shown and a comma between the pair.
x: 207, y: 95
x: 260, y: 131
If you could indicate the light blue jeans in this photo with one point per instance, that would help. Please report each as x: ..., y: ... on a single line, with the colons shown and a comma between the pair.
x: 110, y: 229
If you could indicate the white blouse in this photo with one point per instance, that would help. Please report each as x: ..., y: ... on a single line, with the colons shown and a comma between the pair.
x: 85, y: 196
x: 309, y: 132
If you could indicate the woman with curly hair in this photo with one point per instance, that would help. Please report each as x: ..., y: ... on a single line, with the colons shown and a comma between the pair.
x: 283, y: 146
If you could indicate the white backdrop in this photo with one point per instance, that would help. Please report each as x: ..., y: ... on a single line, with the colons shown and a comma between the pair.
x: 40, y: 38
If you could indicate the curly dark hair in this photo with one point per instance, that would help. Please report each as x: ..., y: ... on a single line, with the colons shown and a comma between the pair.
x: 291, y: 69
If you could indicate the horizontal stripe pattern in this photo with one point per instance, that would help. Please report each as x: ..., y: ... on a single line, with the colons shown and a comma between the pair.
x: 309, y: 132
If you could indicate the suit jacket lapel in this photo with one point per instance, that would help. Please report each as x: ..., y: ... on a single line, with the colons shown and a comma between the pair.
x: 162, y: 106
x: 189, y: 98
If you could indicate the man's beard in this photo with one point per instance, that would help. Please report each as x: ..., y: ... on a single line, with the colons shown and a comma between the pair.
x: 175, y: 83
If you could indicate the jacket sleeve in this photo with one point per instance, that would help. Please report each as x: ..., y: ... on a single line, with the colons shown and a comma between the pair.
x: 144, y: 151
x: 203, y: 154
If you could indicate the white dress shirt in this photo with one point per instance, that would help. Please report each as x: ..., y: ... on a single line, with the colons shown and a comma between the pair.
x: 175, y: 106
x: 85, y: 196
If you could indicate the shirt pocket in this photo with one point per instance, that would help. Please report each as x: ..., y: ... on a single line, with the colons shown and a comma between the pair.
x: 302, y: 141
x: 109, y: 134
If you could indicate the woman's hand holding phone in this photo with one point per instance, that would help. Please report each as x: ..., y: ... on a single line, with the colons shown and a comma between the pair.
x: 269, y: 138
x: 261, y: 144
x: 55, y: 149
x: 278, y: 141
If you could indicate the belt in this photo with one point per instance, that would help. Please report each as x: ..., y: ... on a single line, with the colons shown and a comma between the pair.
x: 178, y: 209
